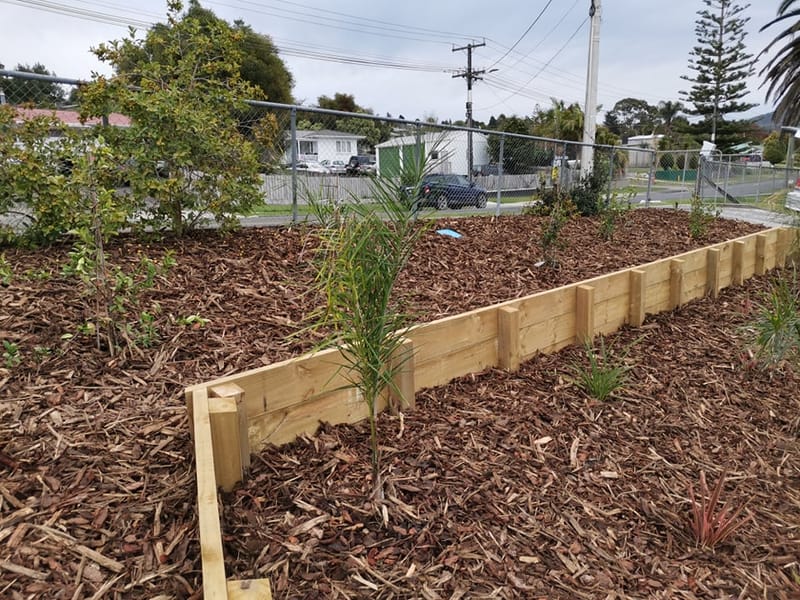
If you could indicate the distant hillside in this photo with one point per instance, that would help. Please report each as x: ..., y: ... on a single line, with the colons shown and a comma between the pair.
x: 765, y: 121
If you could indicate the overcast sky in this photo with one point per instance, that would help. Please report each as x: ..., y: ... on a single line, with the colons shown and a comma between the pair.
x: 644, y: 47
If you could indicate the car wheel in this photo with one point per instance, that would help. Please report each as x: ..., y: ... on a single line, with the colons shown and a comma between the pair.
x: 442, y: 202
x: 481, y: 201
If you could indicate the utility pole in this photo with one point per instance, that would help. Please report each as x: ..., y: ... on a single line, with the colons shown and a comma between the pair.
x: 470, y: 75
x: 590, y: 108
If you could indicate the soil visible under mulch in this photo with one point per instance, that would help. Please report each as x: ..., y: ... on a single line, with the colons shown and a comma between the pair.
x: 97, y: 489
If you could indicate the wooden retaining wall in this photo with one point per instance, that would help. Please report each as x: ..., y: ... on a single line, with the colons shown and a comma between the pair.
x: 235, y: 415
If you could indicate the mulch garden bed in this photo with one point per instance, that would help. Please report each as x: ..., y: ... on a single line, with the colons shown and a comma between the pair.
x: 499, y: 485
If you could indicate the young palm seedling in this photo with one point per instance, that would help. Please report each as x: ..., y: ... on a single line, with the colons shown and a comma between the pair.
x: 363, y: 249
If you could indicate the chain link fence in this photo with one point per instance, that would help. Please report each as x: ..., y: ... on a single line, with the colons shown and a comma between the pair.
x: 307, y: 152
x: 743, y: 179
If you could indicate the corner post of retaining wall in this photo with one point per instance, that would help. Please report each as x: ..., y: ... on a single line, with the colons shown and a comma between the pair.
x: 210, y: 531
x: 584, y: 314
x: 713, y: 257
x: 638, y: 287
x: 229, y: 432
x: 676, y: 283
x: 782, y: 249
x: 402, y: 393
x: 761, y: 254
x: 737, y: 265
x: 508, y: 356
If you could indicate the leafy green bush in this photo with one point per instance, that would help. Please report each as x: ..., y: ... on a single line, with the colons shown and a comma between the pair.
x: 183, y: 154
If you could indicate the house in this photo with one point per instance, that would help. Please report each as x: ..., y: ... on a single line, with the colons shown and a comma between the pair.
x: 69, y: 118
x: 641, y: 158
x: 446, y: 152
x: 323, y: 144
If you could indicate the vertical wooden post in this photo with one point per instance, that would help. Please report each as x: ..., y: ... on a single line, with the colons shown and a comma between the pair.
x: 675, y: 283
x: 761, y: 254
x: 225, y: 437
x: 737, y: 267
x: 783, y: 247
x: 584, y: 314
x: 403, y: 393
x: 214, y: 585
x: 231, y: 390
x: 508, y: 338
x: 712, y: 272
x: 638, y: 286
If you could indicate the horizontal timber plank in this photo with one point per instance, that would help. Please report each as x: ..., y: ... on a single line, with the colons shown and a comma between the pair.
x: 284, y: 425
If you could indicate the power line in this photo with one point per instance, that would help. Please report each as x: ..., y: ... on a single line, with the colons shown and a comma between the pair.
x: 526, y: 32
x: 552, y: 58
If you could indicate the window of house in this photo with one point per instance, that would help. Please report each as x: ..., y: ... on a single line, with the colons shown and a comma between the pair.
x: 434, y: 155
x: 343, y: 146
x: 307, y: 147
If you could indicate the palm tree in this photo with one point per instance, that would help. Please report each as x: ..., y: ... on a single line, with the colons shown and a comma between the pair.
x: 782, y: 72
x: 667, y: 111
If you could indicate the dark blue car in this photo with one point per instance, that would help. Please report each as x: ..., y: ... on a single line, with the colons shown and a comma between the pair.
x: 450, y: 191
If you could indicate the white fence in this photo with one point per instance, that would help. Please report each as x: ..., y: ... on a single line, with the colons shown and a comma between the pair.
x: 277, y: 189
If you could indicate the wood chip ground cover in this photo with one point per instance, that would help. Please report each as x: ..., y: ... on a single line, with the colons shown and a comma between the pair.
x: 500, y: 485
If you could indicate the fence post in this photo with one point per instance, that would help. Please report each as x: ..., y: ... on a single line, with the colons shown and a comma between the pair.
x: 293, y: 126
x: 500, y: 174
x: 611, y: 155
x: 698, y: 184
x: 685, y: 164
x: 650, y: 177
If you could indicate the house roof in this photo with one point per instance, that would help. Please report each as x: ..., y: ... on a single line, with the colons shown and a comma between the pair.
x: 436, y: 137
x: 71, y: 118
x: 316, y: 134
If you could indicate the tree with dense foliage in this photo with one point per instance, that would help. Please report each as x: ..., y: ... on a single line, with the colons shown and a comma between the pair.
x: 560, y: 122
x: 43, y: 94
x: 782, y: 72
x: 631, y: 116
x: 721, y: 66
x: 775, y: 148
x: 260, y: 64
x: 183, y: 154
x: 343, y: 102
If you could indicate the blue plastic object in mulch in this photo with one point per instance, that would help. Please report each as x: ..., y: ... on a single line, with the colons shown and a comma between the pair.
x: 448, y: 232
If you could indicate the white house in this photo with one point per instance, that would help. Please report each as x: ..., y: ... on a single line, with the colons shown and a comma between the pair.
x: 638, y: 158
x: 446, y: 152
x: 323, y: 144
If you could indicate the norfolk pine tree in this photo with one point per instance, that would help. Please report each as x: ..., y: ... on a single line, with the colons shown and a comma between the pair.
x: 721, y: 66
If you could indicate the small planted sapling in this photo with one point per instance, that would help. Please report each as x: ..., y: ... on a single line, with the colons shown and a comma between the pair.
x: 364, y: 247
x: 711, y: 525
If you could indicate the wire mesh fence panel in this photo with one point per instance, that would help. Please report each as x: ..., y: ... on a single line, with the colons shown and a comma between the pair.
x: 743, y: 179
x: 305, y: 154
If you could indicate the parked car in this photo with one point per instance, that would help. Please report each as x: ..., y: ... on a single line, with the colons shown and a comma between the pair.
x: 311, y: 166
x: 449, y: 191
x: 363, y: 164
x: 336, y: 167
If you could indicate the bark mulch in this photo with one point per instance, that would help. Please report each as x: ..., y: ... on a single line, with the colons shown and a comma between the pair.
x: 97, y: 492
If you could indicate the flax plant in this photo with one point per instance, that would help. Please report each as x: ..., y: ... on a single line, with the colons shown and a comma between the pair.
x: 364, y: 247
x: 711, y: 525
